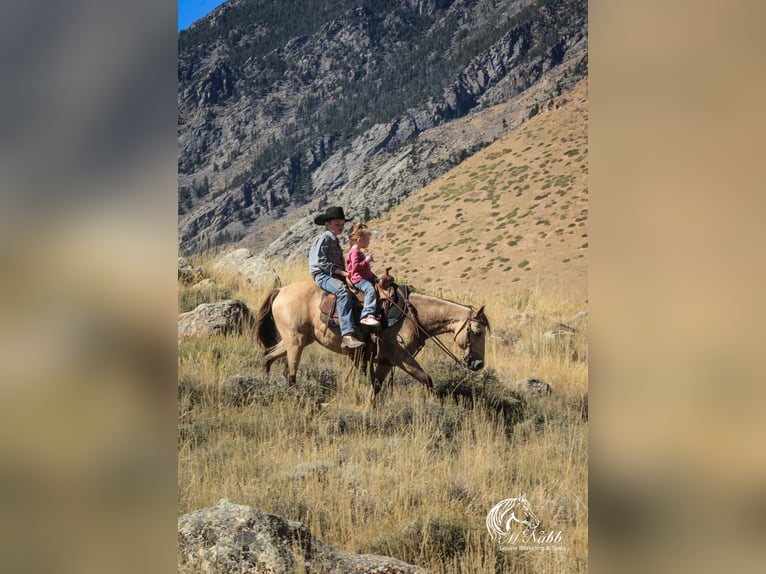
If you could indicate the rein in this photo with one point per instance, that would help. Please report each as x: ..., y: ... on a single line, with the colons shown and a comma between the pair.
x: 412, y: 317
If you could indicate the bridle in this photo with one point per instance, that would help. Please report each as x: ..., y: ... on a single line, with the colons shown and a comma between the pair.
x: 472, y: 318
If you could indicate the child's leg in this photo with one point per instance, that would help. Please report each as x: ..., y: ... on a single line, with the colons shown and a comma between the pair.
x: 370, y: 298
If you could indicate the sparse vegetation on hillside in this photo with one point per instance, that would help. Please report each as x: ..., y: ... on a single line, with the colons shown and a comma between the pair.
x: 493, y: 218
x: 415, y: 477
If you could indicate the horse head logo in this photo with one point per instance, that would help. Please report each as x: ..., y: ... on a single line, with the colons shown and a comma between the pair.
x: 501, y: 519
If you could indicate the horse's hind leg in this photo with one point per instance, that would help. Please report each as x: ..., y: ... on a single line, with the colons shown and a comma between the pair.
x: 294, y: 352
x: 276, y: 352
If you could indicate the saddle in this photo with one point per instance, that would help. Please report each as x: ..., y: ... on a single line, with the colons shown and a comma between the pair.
x: 328, y: 309
x: 392, y: 302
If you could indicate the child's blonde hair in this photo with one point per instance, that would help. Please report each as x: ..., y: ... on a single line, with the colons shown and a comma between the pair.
x: 359, y: 230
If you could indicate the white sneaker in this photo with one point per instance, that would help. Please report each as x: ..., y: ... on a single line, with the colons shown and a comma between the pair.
x: 370, y: 321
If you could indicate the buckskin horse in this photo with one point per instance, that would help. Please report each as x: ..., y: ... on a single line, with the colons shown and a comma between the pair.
x: 289, y: 320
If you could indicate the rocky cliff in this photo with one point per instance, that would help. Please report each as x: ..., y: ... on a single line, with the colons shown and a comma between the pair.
x: 285, y: 107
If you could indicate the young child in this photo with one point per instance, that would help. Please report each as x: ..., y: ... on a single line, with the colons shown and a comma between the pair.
x: 360, y: 274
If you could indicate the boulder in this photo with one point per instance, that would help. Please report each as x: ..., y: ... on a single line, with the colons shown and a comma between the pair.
x: 188, y: 274
x: 224, y: 318
x: 231, y: 537
x: 204, y: 284
x: 255, y: 271
x: 532, y: 386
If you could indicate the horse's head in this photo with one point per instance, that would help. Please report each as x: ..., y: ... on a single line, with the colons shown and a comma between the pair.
x: 471, y: 336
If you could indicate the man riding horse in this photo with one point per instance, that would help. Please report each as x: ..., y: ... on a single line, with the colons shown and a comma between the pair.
x: 289, y: 318
x: 328, y: 269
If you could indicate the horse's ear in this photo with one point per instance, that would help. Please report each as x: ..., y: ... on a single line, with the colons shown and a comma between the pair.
x: 480, y: 311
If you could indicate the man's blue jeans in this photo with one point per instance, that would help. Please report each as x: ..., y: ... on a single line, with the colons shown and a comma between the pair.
x: 345, y: 301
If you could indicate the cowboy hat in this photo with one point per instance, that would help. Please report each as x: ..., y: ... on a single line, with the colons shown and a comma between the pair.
x: 334, y: 212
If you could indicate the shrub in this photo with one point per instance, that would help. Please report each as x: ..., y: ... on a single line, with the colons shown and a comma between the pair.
x: 436, y: 538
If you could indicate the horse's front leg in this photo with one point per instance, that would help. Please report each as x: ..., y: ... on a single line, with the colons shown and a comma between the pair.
x: 376, y: 384
x: 410, y: 366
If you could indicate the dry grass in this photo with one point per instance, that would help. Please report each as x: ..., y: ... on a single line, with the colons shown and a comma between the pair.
x: 416, y: 477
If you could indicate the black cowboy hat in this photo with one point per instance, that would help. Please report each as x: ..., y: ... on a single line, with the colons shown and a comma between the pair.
x: 334, y: 212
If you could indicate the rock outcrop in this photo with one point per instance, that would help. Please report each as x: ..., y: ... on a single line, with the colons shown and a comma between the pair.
x: 252, y: 270
x: 234, y: 538
x: 275, y: 114
x: 188, y: 274
x: 224, y: 318
x: 532, y: 386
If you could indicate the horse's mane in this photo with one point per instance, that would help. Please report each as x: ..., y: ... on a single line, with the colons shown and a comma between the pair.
x: 412, y: 290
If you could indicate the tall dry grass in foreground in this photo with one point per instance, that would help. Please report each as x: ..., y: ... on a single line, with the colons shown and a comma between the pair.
x: 415, y: 477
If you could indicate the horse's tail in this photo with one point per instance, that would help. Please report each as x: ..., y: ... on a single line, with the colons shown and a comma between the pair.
x: 266, y: 332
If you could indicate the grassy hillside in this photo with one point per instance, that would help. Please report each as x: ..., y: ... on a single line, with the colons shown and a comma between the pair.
x: 415, y: 477
x: 512, y: 216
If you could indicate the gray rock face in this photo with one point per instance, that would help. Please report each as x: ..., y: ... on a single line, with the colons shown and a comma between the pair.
x: 262, y: 134
x: 255, y: 271
x: 224, y: 318
x: 532, y: 386
x: 188, y: 274
x: 234, y: 538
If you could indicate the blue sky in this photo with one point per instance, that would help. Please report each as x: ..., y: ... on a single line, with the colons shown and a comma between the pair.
x: 192, y: 10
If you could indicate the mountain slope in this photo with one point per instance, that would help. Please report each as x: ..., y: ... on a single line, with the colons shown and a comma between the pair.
x: 514, y: 215
x: 284, y: 103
